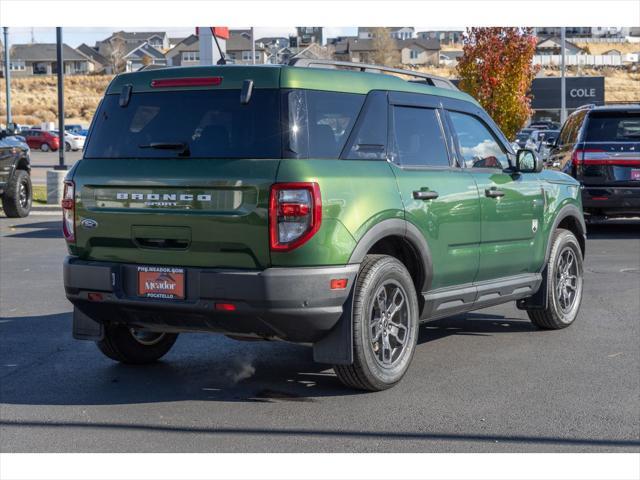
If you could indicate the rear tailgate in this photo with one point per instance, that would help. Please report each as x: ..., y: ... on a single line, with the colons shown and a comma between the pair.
x: 177, y: 170
x: 175, y: 212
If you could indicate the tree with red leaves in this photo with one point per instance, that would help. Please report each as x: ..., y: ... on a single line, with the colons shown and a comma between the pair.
x: 496, y: 68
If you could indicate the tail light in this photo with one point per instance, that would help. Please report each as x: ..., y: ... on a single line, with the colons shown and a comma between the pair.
x: 295, y: 214
x: 596, y: 156
x: 69, y: 211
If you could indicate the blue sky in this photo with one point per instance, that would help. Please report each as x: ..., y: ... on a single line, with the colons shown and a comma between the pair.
x: 74, y: 36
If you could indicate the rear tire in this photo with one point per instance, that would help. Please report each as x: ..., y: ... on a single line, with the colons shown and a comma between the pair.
x: 385, y: 325
x: 126, y: 345
x: 564, y: 273
x: 18, y: 197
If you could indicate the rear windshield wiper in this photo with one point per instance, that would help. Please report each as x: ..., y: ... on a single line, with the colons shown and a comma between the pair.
x: 180, y: 146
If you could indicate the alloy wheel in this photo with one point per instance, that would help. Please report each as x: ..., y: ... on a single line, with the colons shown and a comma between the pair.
x: 567, y: 280
x: 23, y: 194
x: 389, y: 324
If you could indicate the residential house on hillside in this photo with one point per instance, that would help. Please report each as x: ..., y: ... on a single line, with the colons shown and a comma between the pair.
x: 420, y: 51
x: 399, y: 33
x: 158, y: 40
x: 238, y: 49
x: 97, y: 63
x: 305, y: 36
x: 412, y: 51
x: 447, y: 37
x: 553, y: 46
x: 139, y: 55
x: 185, y: 53
x: 41, y: 59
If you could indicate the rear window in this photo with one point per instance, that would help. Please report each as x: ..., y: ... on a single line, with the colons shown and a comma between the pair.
x: 613, y: 127
x: 212, y: 124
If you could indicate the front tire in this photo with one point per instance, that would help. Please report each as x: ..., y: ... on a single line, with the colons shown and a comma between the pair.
x: 127, y: 345
x: 67, y: 147
x: 564, y: 276
x: 385, y: 325
x: 45, y: 147
x: 18, y: 197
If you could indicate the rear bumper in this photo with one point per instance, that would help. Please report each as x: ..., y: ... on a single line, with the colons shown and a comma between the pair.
x: 294, y: 304
x: 611, y: 200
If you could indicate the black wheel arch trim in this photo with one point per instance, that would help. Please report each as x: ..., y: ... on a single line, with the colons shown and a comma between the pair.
x: 565, y: 212
x: 402, y: 228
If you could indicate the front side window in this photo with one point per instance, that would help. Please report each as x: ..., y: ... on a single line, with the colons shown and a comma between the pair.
x: 319, y: 123
x: 478, y: 147
x: 418, y: 138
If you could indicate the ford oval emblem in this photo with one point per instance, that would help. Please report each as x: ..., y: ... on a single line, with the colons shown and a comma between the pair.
x: 88, y: 223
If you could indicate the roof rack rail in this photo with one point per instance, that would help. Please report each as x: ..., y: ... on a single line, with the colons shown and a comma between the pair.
x: 420, y: 77
x: 588, y: 105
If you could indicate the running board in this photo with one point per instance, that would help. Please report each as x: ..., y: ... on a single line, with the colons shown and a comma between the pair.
x: 445, y: 302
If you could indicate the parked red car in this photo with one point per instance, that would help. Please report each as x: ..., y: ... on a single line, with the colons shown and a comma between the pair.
x: 41, y: 139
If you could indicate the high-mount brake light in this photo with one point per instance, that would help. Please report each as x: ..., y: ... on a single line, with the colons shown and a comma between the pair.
x: 69, y: 211
x: 186, y: 82
x: 295, y: 214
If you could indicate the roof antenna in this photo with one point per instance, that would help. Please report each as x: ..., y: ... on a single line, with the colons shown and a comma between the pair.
x: 222, y: 60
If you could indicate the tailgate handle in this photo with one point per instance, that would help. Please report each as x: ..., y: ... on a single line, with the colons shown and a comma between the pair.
x: 165, y: 243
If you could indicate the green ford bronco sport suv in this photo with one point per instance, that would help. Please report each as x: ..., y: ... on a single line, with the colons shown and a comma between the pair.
x: 313, y: 204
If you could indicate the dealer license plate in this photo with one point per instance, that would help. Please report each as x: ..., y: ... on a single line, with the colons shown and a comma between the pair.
x: 161, y: 282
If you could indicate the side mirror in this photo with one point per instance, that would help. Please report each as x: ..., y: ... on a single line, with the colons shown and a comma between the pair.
x: 550, y: 142
x: 528, y: 162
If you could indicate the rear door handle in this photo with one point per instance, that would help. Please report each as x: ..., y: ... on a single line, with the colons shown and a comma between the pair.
x: 425, y: 195
x: 493, y: 192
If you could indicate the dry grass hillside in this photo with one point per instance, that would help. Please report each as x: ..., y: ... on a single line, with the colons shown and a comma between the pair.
x: 35, y: 99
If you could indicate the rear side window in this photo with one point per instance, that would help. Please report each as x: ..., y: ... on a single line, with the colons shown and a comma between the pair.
x: 478, y: 146
x: 369, y: 141
x: 613, y: 127
x: 418, y: 137
x: 211, y: 123
x: 319, y: 123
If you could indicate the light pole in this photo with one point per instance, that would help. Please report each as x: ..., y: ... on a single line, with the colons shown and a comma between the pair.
x: 60, y: 58
x: 7, y: 73
x: 563, y: 84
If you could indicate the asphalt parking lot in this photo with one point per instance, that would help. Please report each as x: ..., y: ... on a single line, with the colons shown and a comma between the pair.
x: 483, y: 382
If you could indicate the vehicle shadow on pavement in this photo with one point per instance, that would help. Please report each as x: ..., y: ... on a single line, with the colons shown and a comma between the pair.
x: 614, y: 230
x: 50, y: 229
x: 474, y: 324
x: 62, y: 371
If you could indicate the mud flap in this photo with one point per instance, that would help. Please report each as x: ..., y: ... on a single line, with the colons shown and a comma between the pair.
x: 85, y: 328
x: 539, y: 300
x: 336, y: 347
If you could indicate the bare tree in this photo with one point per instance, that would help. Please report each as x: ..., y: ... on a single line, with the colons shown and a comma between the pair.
x: 385, y: 49
x: 115, y: 51
x: 147, y: 60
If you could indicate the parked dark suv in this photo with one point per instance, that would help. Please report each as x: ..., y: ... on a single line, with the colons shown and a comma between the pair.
x: 600, y: 147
